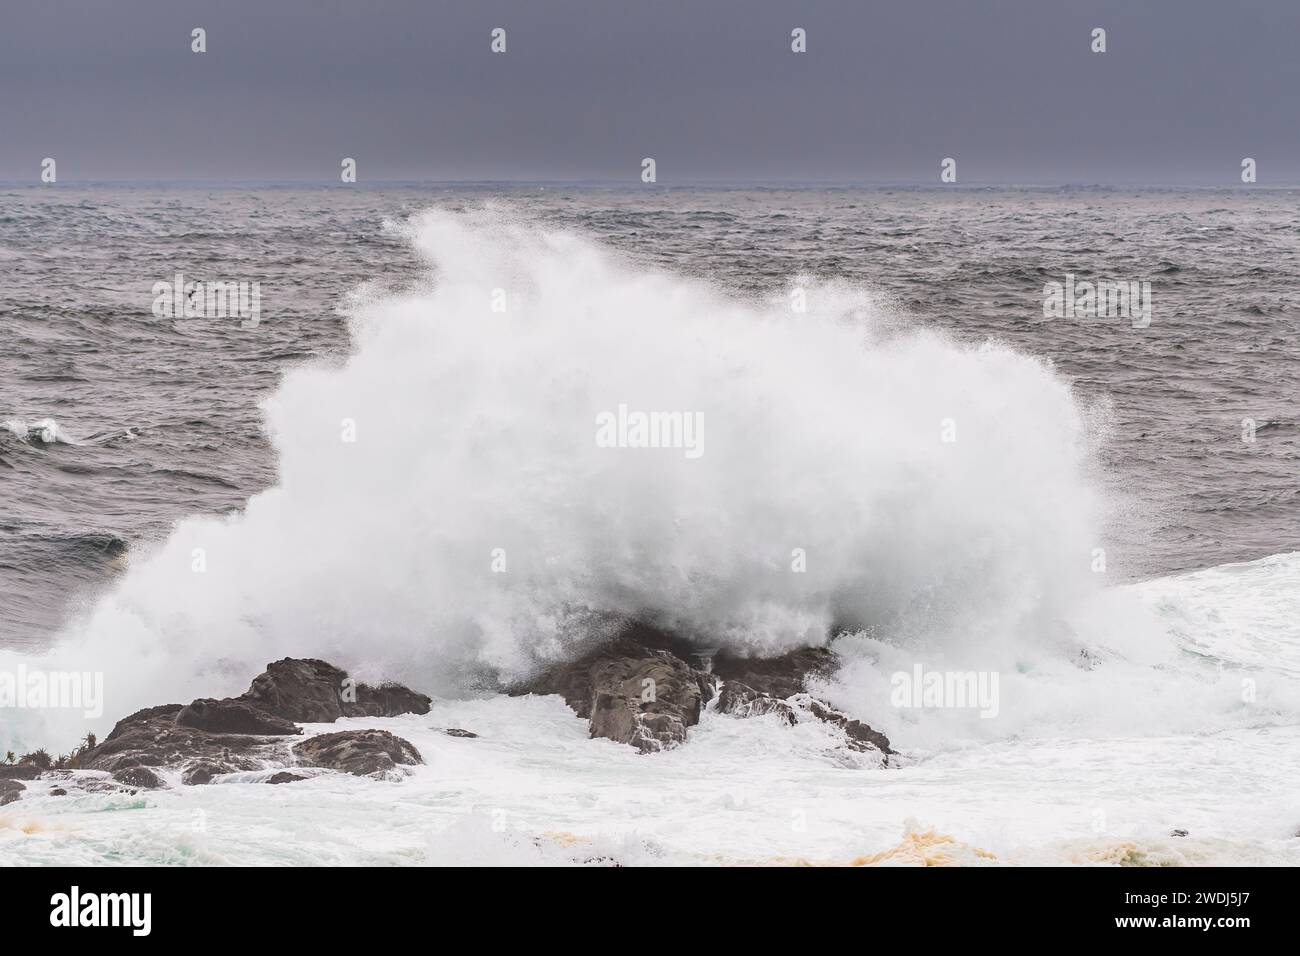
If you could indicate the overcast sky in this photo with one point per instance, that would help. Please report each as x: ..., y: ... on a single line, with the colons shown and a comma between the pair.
x: 709, y: 88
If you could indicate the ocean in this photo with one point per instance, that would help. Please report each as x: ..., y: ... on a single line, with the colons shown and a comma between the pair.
x: 393, y: 468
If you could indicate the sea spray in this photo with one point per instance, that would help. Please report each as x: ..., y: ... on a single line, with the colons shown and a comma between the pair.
x: 938, y: 492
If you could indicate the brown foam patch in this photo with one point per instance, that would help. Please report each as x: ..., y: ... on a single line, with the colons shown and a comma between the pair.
x: 917, y: 848
x: 29, y: 825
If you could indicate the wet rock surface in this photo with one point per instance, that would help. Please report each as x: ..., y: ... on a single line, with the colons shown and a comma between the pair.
x: 19, y: 772
x: 753, y: 687
x: 860, y: 736
x: 285, y: 777
x: 779, y: 677
x: 200, y: 774
x: 643, y: 696
x: 140, y: 777
x: 359, y: 752
x: 233, y: 716
x: 313, y: 691
x: 153, y: 738
x: 645, y: 688
x: 741, y: 700
x: 209, y: 737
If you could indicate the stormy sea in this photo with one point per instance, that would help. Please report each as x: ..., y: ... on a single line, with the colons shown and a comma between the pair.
x: 894, y: 439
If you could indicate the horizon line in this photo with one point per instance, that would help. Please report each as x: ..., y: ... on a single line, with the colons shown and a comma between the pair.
x: 637, y: 185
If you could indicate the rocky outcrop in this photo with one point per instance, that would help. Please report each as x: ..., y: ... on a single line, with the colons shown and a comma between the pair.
x: 859, y: 735
x: 201, y: 773
x: 359, y: 752
x: 741, y: 700
x: 210, y: 737
x: 753, y: 687
x: 140, y: 777
x: 233, y: 716
x: 285, y: 776
x: 642, y: 696
x: 312, y: 691
x: 153, y: 738
x: 19, y: 771
x: 10, y: 790
x: 646, y: 687
x: 780, y: 677
x: 143, y: 716
x: 386, y: 700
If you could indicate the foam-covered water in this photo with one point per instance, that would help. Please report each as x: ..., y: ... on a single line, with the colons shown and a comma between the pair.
x: 532, y: 789
x: 451, y: 431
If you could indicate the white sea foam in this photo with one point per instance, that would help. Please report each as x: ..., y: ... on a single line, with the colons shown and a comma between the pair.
x: 46, y: 431
x: 532, y: 789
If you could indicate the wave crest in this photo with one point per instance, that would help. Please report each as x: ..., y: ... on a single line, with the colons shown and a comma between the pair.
x: 443, y: 504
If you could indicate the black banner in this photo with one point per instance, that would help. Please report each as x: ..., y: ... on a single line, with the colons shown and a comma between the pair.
x: 138, y: 905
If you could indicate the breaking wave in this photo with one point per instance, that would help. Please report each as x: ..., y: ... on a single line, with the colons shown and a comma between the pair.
x: 444, y: 510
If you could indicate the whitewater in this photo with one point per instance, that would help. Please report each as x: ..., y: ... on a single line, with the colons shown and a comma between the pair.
x: 948, y: 500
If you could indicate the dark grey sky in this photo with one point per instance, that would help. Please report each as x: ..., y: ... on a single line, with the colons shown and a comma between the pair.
x: 709, y: 88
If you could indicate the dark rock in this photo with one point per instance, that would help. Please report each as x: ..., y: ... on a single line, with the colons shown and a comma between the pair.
x: 1178, y: 833
x: 657, y: 639
x: 10, y: 790
x: 58, y: 792
x: 149, y: 715
x: 285, y: 777
x: 201, y: 774
x: 655, y: 689
x: 778, y: 677
x: 104, y: 786
x: 386, y: 700
x: 860, y: 736
x: 152, y: 738
x: 15, y: 771
x: 645, y: 697
x: 759, y: 685
x: 307, y: 691
x: 313, y: 691
x: 209, y: 737
x: 457, y: 732
x: 620, y: 718
x: 141, y: 777
x: 606, y: 684
x: 359, y: 752
x: 233, y: 716
x: 741, y: 700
